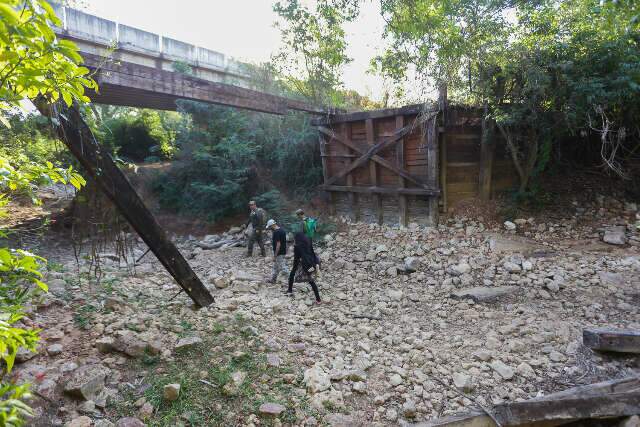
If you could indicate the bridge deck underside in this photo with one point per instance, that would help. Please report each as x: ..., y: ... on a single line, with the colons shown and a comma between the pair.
x: 134, y: 85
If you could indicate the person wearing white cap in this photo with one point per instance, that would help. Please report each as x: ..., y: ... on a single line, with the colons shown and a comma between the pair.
x: 279, y: 243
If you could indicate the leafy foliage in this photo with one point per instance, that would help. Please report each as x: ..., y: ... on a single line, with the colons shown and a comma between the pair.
x: 33, y: 62
x: 547, y: 70
x: 137, y: 135
x: 227, y: 157
x: 315, y: 47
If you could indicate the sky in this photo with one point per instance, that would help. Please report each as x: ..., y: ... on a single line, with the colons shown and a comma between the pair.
x: 244, y: 29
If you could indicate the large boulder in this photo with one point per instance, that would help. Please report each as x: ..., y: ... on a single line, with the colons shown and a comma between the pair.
x: 87, y: 381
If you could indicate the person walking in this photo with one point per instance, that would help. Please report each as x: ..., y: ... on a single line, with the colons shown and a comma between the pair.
x: 308, y: 225
x: 304, y: 260
x: 256, y: 219
x: 279, y: 243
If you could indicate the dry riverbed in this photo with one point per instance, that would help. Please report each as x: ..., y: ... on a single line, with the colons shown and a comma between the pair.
x: 419, y: 323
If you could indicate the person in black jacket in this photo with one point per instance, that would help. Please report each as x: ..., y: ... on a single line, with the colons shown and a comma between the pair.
x: 305, y: 259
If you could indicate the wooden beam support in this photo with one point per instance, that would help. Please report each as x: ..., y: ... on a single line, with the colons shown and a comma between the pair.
x: 375, y: 158
x: 325, y: 171
x: 374, y: 148
x: 402, y: 182
x: 382, y: 190
x: 99, y: 165
x: 373, y: 168
x: 487, y: 150
x: 354, y: 201
x: 431, y: 140
x: 617, y: 340
x: 611, y: 399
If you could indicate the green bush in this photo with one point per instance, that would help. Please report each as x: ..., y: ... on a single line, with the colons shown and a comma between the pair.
x: 227, y: 157
x: 139, y: 135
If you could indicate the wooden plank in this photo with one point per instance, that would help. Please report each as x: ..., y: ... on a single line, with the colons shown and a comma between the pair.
x: 616, y: 340
x: 376, y: 158
x: 325, y: 171
x: 431, y: 136
x: 487, y: 149
x: 373, y: 114
x: 402, y: 182
x: 382, y: 190
x: 373, y: 171
x: 99, y: 165
x: 384, y: 143
x: 611, y: 399
x: 354, y: 203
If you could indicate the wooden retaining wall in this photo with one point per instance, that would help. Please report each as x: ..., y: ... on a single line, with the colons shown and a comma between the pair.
x: 402, y: 165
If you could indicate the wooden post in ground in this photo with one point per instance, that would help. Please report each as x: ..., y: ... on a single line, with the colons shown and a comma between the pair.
x: 325, y: 172
x: 373, y: 170
x: 487, y: 150
x: 402, y: 182
x: 430, y: 135
x: 354, y: 200
x: 443, y: 104
x: 97, y: 162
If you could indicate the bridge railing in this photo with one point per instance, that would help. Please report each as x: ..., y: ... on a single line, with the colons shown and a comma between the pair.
x: 103, y: 32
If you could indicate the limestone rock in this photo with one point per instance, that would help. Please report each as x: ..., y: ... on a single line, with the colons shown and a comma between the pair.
x: 188, y: 342
x: 316, y: 380
x: 171, y: 392
x: 82, y: 421
x: 86, y: 382
x: 484, y: 294
x: 615, y: 236
x: 503, y: 370
x: 272, y: 409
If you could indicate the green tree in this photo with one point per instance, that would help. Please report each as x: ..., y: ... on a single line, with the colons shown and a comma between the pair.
x: 33, y: 64
x: 315, y: 47
x: 545, y: 70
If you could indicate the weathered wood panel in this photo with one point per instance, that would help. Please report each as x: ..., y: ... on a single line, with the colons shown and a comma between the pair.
x: 417, y: 161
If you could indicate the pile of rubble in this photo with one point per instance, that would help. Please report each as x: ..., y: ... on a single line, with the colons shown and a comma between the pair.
x: 420, y: 322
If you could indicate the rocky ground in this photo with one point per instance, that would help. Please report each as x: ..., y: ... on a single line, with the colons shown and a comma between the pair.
x: 418, y: 323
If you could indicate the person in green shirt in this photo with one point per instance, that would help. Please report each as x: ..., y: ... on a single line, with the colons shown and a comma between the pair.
x: 308, y: 225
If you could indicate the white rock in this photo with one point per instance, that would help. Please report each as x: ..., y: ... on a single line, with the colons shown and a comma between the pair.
x: 509, y: 225
x: 316, y: 380
x: 503, y: 370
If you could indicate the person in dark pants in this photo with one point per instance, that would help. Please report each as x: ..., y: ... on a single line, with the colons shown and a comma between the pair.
x: 257, y: 219
x: 305, y: 259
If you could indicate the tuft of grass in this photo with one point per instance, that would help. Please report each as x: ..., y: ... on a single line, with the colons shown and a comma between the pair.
x: 208, y: 395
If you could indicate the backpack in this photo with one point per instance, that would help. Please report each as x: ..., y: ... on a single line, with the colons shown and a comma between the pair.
x: 309, y: 227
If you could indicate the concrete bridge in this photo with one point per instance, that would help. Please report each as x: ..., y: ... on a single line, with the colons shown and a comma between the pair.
x: 137, y: 68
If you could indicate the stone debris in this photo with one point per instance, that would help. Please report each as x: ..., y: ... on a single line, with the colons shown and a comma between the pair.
x: 482, y: 294
x: 87, y: 382
x: 420, y: 320
x: 272, y: 409
x: 171, y: 392
x: 189, y: 342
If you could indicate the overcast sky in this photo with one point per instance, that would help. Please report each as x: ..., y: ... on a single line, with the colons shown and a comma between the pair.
x: 243, y: 29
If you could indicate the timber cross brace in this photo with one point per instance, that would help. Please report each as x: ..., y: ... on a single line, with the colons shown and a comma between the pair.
x: 377, y: 158
x: 99, y: 165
